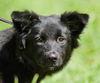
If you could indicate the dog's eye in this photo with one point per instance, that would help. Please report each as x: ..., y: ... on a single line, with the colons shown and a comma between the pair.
x: 61, y: 39
x: 38, y: 39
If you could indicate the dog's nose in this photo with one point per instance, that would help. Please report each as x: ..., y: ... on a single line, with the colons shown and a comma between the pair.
x: 52, y: 56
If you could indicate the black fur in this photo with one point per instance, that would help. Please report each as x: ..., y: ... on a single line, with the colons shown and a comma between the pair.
x: 38, y: 44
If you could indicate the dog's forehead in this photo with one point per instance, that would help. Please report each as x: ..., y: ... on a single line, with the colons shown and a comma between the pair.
x: 51, y: 24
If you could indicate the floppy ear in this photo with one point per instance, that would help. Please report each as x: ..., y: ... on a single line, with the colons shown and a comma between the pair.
x: 23, y: 20
x: 75, y: 22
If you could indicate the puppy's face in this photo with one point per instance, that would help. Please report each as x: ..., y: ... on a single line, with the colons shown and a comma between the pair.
x: 49, y: 40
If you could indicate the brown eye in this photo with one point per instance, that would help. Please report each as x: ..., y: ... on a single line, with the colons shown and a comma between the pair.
x: 60, y: 39
x: 38, y: 39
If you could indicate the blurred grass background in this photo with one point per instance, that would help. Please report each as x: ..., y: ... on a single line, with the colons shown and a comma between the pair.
x: 84, y: 66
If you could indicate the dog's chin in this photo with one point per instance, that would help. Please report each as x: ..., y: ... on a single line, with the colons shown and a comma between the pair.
x: 51, y: 67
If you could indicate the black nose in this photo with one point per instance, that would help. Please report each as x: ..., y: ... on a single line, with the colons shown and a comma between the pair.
x: 52, y: 56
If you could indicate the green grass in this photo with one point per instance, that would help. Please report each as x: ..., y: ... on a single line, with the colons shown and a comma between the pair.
x: 84, y: 66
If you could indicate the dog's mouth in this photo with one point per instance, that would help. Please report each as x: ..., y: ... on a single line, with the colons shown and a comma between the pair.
x: 50, y: 65
x: 53, y: 66
x: 49, y: 62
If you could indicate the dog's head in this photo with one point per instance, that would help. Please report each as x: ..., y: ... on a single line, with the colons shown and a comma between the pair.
x: 49, y: 40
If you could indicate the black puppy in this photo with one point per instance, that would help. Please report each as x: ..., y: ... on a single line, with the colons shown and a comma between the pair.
x: 38, y: 44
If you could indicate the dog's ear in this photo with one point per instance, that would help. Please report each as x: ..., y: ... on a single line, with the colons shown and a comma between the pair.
x: 23, y: 20
x: 75, y: 22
